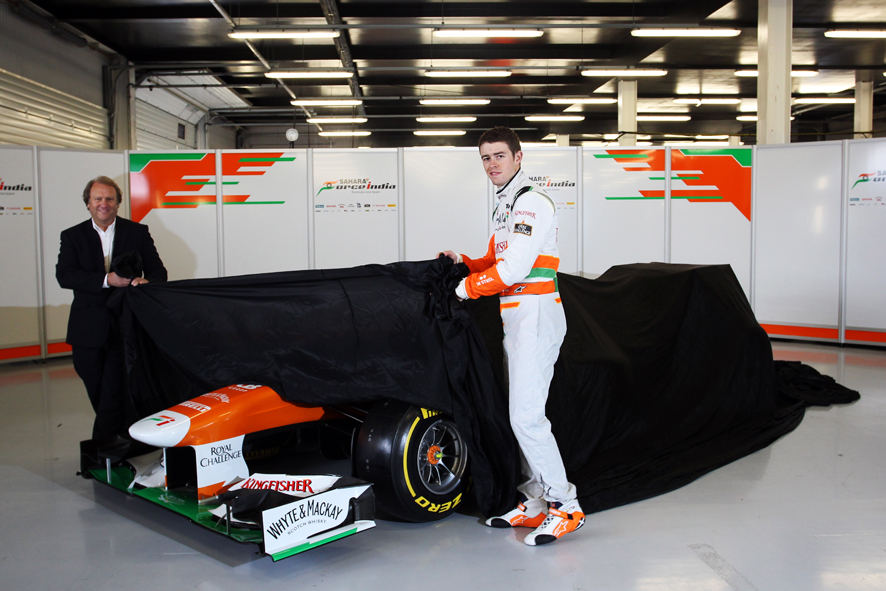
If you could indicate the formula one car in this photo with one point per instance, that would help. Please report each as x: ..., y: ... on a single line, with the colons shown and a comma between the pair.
x: 212, y: 452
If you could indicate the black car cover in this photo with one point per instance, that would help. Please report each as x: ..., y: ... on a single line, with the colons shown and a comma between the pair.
x: 664, y: 374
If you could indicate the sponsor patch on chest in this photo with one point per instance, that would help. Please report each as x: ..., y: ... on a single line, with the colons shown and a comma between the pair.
x: 523, y: 229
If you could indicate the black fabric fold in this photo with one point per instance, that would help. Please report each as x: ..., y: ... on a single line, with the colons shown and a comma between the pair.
x: 664, y: 374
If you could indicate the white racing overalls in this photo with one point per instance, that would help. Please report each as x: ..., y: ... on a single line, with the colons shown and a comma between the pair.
x: 521, y: 266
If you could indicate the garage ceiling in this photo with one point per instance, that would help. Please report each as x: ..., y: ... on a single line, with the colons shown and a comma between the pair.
x: 390, y: 45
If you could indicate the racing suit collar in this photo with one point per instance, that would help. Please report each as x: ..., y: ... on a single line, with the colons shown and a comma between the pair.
x: 517, y: 181
x: 510, y: 184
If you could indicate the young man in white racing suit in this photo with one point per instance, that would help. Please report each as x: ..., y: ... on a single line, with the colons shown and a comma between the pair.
x: 521, y: 266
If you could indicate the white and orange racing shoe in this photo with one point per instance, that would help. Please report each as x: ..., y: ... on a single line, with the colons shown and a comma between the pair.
x: 562, y: 518
x: 529, y: 513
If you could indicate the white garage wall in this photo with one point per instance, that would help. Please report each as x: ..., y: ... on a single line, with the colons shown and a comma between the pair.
x: 815, y: 258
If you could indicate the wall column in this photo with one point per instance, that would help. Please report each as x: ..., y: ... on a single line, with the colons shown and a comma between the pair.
x: 774, y: 30
x: 864, y: 104
x: 627, y: 112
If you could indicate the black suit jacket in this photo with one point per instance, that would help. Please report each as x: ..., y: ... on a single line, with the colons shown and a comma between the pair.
x: 81, y: 267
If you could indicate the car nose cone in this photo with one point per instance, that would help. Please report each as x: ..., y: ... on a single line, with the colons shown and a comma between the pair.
x: 163, y: 429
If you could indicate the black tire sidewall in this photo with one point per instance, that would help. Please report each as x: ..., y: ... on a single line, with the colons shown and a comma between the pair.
x: 386, y: 454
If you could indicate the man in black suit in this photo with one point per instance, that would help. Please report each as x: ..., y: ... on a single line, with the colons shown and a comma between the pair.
x: 84, y: 262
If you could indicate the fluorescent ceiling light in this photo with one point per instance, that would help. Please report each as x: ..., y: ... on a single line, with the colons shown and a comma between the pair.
x: 625, y: 73
x: 466, y: 119
x: 283, y: 34
x: 856, y: 34
x: 326, y: 102
x: 691, y: 143
x: 439, y: 132
x: 708, y: 101
x: 538, y: 144
x: 488, y: 32
x: 693, y: 32
x: 333, y: 120
x: 309, y: 74
x: 432, y: 102
x: 582, y: 101
x: 794, y: 73
x: 712, y: 137
x: 561, y: 118
x: 663, y: 117
x: 468, y: 73
x: 751, y: 118
x: 823, y: 100
x: 344, y: 133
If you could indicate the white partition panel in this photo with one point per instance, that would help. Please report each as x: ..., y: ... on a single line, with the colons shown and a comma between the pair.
x: 19, y: 297
x: 556, y: 171
x: 623, y: 208
x: 866, y: 242
x: 445, y: 201
x: 797, y: 215
x: 63, y: 175
x: 265, y: 211
x: 174, y: 193
x: 711, y: 208
x: 356, y: 207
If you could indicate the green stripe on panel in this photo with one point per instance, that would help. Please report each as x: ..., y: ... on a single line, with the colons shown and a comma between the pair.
x: 137, y: 162
x: 744, y: 156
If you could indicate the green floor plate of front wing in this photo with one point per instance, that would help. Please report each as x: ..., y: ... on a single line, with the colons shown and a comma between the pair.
x: 180, y: 502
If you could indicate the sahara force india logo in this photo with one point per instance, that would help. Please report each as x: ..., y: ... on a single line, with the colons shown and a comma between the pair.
x: 546, y: 182
x: 355, y: 185
x: 719, y: 175
x: 871, y: 177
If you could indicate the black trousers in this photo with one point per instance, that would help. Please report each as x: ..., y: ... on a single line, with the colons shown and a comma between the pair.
x: 101, y: 369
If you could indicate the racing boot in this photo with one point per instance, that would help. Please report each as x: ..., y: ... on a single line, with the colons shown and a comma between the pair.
x: 529, y: 513
x: 562, y: 518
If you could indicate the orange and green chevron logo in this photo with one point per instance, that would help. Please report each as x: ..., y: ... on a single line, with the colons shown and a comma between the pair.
x: 178, y: 181
x: 721, y: 175
x: 864, y: 178
x: 327, y: 185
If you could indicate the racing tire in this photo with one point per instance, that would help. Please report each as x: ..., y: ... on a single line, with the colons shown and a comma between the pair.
x: 416, y: 460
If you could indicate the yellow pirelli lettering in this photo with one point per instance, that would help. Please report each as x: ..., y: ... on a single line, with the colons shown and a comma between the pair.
x: 427, y: 413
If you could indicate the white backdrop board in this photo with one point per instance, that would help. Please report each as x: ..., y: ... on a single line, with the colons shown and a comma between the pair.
x: 711, y: 209
x: 798, y: 205
x: 174, y: 193
x: 556, y: 171
x: 623, y: 208
x: 356, y: 202
x: 63, y: 176
x: 19, y: 297
x: 866, y: 242
x: 446, y: 202
x: 265, y: 211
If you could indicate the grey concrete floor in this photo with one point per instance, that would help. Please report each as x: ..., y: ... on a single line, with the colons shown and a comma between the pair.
x: 807, y: 513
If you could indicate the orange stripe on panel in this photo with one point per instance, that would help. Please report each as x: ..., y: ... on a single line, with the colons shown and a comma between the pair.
x: 871, y: 336
x: 801, y: 331
x: 20, y: 352
x: 558, y: 300
x: 53, y: 348
x: 508, y: 305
